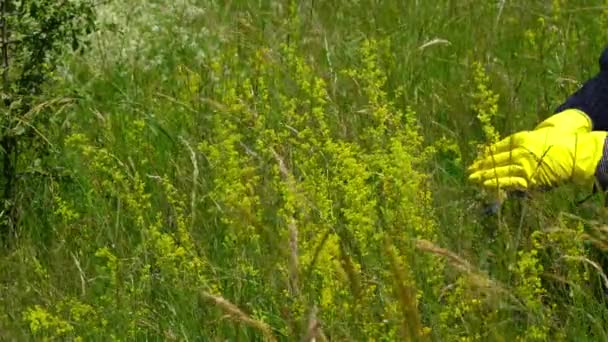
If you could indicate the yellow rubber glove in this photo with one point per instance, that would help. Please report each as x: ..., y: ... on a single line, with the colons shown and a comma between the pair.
x: 560, y: 149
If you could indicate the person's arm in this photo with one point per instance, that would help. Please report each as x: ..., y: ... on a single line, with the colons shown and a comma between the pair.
x: 592, y: 97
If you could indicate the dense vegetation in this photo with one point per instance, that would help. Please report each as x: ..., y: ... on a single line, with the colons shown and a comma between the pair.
x: 295, y: 170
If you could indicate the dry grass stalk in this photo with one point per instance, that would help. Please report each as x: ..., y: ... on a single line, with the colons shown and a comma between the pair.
x: 411, y: 324
x: 599, y: 243
x: 350, y: 270
x: 314, y: 331
x: 454, y: 259
x: 602, y: 229
x: 195, y: 173
x: 477, y: 278
x: 239, y: 316
x: 293, y: 256
x: 292, y: 227
x: 593, y: 264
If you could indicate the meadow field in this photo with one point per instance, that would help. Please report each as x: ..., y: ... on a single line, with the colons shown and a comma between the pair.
x: 296, y: 171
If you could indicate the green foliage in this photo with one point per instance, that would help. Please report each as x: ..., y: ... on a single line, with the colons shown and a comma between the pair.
x: 256, y: 170
x: 35, y: 35
x: 40, y: 32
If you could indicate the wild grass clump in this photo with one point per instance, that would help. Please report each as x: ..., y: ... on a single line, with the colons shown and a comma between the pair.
x: 280, y: 171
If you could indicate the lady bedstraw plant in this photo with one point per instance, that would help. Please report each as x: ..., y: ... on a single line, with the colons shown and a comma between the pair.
x: 162, y: 257
x: 35, y: 34
x: 339, y: 205
x: 531, y: 291
x: 486, y: 103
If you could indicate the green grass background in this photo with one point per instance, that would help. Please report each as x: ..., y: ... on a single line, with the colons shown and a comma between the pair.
x: 276, y: 170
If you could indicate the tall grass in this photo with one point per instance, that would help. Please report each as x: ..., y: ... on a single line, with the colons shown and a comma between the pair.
x: 263, y: 170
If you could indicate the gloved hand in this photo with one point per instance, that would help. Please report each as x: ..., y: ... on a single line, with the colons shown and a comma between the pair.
x: 560, y: 149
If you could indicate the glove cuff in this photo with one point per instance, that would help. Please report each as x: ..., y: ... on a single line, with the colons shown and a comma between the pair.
x: 601, y: 171
x: 570, y: 120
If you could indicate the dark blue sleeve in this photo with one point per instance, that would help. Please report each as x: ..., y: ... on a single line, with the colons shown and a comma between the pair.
x: 592, y: 97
